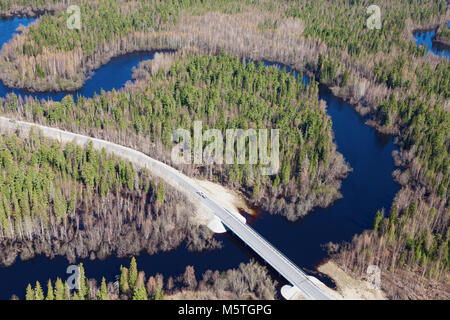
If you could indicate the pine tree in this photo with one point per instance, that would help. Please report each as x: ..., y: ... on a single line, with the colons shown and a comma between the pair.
x: 133, y: 273
x: 38, y: 292
x: 76, y: 296
x: 378, y: 218
x: 139, y: 293
x: 83, y: 289
x: 30, y: 293
x: 160, y: 193
x: 286, y: 173
x: 50, y: 293
x: 103, y: 295
x: 159, y: 295
x: 123, y: 283
x: 59, y: 289
x: 67, y: 295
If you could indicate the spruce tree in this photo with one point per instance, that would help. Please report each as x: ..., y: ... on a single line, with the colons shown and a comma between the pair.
x: 38, y: 292
x: 139, y: 293
x: 133, y: 273
x: 50, y: 293
x: 67, y: 295
x: 123, y: 283
x: 103, y: 294
x: 159, y: 295
x: 83, y: 289
x: 30, y: 293
x: 59, y: 289
x: 160, y: 193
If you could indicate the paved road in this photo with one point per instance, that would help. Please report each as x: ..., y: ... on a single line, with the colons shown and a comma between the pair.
x: 187, y: 185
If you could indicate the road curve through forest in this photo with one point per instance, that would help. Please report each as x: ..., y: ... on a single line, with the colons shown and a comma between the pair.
x: 188, y: 186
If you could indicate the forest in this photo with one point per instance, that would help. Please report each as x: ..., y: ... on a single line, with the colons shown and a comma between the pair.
x: 249, y: 281
x: 394, y: 84
x: 67, y: 200
x: 229, y: 93
x: 109, y: 28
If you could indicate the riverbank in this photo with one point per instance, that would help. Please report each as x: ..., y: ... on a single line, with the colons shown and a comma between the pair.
x: 346, y: 195
x: 88, y: 231
x: 30, y: 12
x: 442, y: 38
x: 434, y: 38
x: 308, y: 235
x: 224, y: 196
x: 442, y: 43
x: 349, y: 288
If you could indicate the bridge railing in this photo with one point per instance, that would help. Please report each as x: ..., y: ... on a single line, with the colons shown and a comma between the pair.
x: 277, y: 252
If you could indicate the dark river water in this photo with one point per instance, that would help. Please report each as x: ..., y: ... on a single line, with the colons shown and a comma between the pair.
x: 113, y: 75
x: 425, y: 38
x: 368, y: 187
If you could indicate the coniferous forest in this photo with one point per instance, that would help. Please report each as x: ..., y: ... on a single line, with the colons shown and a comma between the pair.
x: 230, y: 94
x: 249, y: 281
x: 68, y: 200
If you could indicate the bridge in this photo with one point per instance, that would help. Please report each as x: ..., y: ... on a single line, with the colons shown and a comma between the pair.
x: 299, y: 279
x: 269, y: 253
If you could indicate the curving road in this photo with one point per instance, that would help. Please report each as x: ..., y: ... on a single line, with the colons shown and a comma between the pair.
x: 188, y: 186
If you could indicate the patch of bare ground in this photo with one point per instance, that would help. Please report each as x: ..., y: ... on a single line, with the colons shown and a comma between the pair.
x: 229, y: 199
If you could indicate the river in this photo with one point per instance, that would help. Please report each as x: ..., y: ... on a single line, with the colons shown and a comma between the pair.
x: 425, y: 38
x: 368, y: 187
